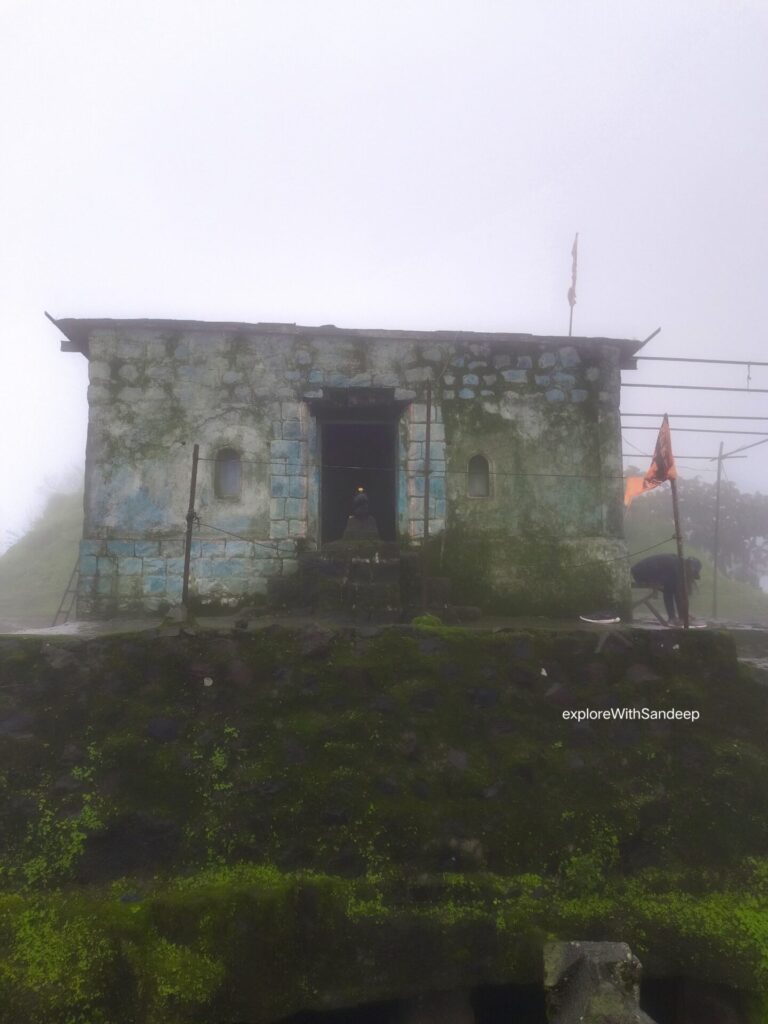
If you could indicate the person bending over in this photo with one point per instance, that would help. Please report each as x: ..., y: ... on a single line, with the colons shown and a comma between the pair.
x: 662, y: 572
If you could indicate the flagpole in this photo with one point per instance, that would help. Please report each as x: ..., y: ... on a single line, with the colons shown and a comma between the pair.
x: 572, y: 289
x: 717, y: 532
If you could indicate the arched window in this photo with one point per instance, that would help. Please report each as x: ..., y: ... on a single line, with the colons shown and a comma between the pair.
x: 227, y: 474
x: 478, y: 477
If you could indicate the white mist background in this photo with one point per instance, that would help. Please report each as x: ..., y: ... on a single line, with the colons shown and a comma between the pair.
x: 420, y: 164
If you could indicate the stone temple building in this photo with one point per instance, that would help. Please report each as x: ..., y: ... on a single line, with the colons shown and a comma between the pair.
x: 524, y: 459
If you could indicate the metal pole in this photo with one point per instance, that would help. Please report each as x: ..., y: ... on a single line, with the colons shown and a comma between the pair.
x: 190, y: 524
x: 717, y: 531
x: 688, y: 359
x: 697, y: 387
x: 427, y: 439
x: 683, y: 589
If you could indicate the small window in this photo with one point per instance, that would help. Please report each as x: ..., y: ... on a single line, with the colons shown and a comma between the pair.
x: 227, y: 474
x: 478, y: 477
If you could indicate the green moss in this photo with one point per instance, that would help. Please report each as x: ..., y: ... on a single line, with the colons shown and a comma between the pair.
x: 335, y: 792
x: 226, y: 943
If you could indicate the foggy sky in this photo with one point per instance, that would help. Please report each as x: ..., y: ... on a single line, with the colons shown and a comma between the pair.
x: 398, y: 164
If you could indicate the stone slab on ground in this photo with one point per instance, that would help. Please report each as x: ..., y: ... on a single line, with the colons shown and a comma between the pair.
x: 592, y: 983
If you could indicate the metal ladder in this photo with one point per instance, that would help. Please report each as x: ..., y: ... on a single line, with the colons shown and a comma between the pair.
x: 68, y: 600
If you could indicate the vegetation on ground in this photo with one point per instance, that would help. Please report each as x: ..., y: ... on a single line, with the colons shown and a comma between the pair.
x: 34, y: 572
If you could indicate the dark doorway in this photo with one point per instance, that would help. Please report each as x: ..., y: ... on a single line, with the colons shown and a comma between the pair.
x: 373, y: 1013
x: 521, y: 1004
x: 354, y: 455
x: 493, y: 1004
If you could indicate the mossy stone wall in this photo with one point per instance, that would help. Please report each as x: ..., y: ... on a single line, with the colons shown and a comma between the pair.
x: 234, y: 827
x: 542, y: 411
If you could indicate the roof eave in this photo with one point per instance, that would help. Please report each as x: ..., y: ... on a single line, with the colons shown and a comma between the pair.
x: 78, y: 331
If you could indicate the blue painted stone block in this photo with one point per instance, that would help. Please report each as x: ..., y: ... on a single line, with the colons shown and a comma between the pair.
x: 104, y: 585
x: 555, y: 395
x: 147, y: 548
x: 515, y: 376
x: 546, y: 360
x: 578, y: 395
x: 436, y: 487
x: 293, y: 509
x: 174, y: 566
x: 524, y: 362
x: 154, y: 585
x: 106, y: 566
x: 120, y: 548
x: 223, y: 568
x: 542, y: 379
x: 153, y: 567
x: 88, y: 565
x: 316, y: 376
x: 285, y: 450
x: 238, y: 549
x: 210, y: 548
x: 278, y: 487
x: 91, y: 547
x: 129, y: 567
x: 297, y: 487
x: 279, y: 528
x: 266, y: 548
x: 564, y: 380
x: 466, y: 393
x: 471, y: 379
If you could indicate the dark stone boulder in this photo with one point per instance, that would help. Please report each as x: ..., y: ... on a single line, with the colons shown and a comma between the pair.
x: 592, y: 983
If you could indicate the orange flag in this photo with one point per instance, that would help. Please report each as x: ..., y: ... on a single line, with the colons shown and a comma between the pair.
x: 662, y: 467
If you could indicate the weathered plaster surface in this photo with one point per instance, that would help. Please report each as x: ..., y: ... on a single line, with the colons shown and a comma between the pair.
x: 544, y: 414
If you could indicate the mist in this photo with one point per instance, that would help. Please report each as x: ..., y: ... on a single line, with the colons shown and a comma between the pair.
x: 392, y: 165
